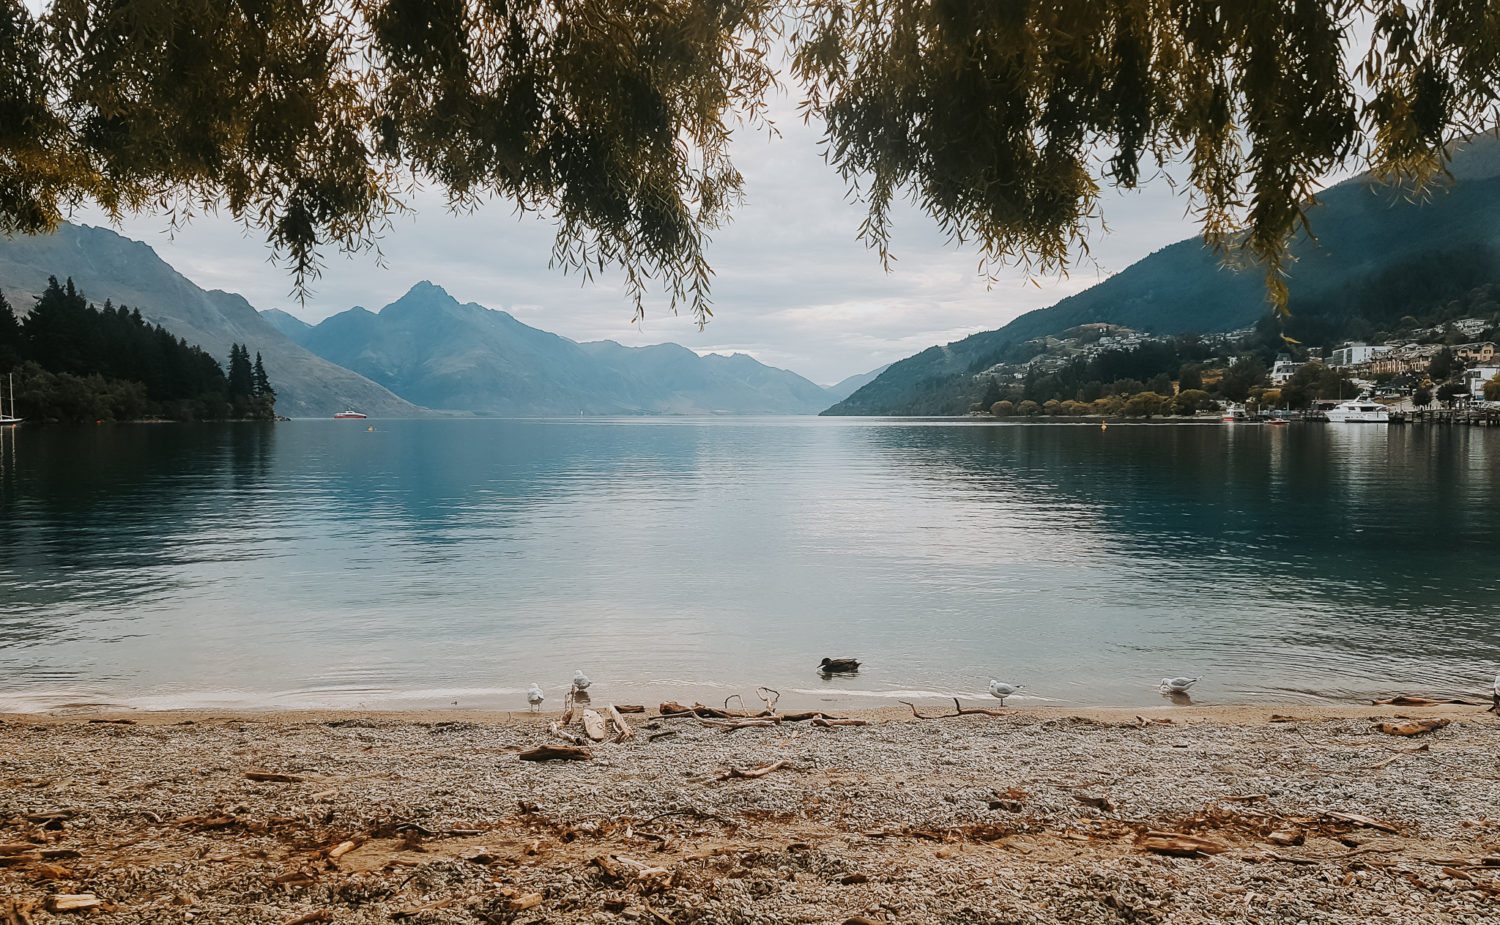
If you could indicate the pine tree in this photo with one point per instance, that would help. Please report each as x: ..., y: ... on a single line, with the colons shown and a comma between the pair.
x: 10, y: 336
x: 262, y: 384
x: 241, y: 376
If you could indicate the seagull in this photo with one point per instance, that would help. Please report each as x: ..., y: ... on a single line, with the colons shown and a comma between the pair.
x: 1002, y: 690
x: 832, y: 665
x: 581, y: 681
x: 1177, y: 685
x: 534, y: 697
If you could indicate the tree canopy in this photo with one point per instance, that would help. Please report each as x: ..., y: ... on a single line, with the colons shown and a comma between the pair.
x: 310, y: 120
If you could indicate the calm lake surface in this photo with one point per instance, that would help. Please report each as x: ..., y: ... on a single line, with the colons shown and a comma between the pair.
x: 318, y: 563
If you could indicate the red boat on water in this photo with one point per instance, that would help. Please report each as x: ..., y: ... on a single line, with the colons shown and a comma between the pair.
x: 349, y: 415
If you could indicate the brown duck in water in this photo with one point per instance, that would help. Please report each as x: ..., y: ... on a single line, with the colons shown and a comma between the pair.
x: 838, y: 665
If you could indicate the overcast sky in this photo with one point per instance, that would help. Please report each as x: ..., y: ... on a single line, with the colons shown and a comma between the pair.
x: 794, y: 288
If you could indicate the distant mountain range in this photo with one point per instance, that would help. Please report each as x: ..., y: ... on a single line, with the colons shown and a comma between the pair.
x: 1369, y: 239
x: 105, y: 265
x: 435, y: 351
x: 423, y: 351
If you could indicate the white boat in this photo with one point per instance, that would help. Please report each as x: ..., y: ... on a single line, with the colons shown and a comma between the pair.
x: 1359, y: 411
x: 9, y: 420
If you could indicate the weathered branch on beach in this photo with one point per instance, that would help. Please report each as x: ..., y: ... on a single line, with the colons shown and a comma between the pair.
x: 661, y: 735
x: 769, y: 701
x: 1364, y: 821
x: 273, y: 777
x: 731, y: 725
x: 625, y: 732
x: 593, y: 725
x: 762, y: 771
x: 630, y: 708
x: 564, y: 734
x: 1413, y: 728
x: 320, y: 915
x: 1401, y: 754
x: 556, y: 753
x: 1177, y: 843
x: 75, y: 902
x: 1401, y: 700
x: 959, y: 710
x: 829, y: 721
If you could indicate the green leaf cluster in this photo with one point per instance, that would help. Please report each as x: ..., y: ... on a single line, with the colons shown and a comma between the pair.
x: 312, y: 120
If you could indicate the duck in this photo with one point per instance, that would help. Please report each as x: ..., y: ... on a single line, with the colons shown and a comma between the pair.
x: 1002, y: 690
x: 534, y: 696
x: 1177, y: 685
x: 581, y: 681
x: 838, y: 665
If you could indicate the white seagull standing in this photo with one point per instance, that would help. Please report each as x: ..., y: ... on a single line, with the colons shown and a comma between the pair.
x: 534, y: 696
x: 581, y: 681
x: 1002, y: 690
x: 1177, y: 685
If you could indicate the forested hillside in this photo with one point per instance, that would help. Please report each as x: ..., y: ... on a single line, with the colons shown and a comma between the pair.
x: 75, y: 363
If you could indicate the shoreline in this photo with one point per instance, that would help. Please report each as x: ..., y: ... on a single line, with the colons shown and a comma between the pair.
x: 1236, y: 714
x: 1279, y: 813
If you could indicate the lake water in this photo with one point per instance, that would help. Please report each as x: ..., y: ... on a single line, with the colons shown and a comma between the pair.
x: 322, y: 564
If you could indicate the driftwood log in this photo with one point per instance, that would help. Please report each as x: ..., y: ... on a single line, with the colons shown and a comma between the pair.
x: 593, y: 725
x: 625, y: 732
x: 1416, y: 727
x: 959, y: 710
x: 762, y: 771
x: 556, y: 753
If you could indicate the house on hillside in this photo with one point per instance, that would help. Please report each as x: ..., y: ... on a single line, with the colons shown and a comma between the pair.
x: 1412, y: 358
x: 1283, y: 369
x: 1476, y: 376
x: 1354, y: 354
x: 1475, y: 353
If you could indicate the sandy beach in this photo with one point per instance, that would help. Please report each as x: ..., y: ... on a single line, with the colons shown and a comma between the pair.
x: 1174, y: 815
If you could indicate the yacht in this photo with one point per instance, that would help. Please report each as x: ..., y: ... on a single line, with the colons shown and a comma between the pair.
x: 349, y: 416
x: 1359, y: 411
x: 9, y: 420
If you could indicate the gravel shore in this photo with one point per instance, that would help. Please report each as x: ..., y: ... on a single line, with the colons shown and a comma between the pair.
x: 1025, y: 817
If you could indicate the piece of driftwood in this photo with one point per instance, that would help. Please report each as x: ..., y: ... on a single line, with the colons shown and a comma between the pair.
x: 344, y: 847
x: 625, y: 731
x: 273, y: 777
x: 593, y: 725
x: 1098, y: 802
x: 826, y: 722
x: 661, y: 735
x: 556, y: 753
x: 762, y: 771
x: 1364, y: 821
x: 1415, y: 727
x: 1179, y: 844
x: 630, y: 708
x: 1401, y: 700
x: 959, y: 710
x: 112, y: 722
x: 318, y: 915
x: 1401, y: 754
x: 564, y: 734
x: 673, y: 708
x: 295, y: 878
x: 74, y: 902
x: 16, y: 848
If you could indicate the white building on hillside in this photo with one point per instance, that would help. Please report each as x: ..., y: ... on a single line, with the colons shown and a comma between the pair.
x: 1476, y: 376
x: 1284, y: 369
x: 1354, y: 354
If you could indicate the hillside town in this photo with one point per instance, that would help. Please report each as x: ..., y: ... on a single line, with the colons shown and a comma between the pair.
x: 1105, y: 369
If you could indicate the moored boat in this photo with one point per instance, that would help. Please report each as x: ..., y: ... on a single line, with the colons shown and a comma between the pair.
x: 9, y: 420
x: 1358, y: 411
x: 349, y: 416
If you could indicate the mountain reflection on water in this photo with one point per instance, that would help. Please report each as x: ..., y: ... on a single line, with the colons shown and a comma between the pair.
x: 426, y: 562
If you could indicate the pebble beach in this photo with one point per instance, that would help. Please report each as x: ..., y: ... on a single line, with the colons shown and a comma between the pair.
x: 1245, y: 814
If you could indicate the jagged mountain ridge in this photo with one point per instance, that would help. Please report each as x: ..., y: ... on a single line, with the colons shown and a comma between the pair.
x: 431, y: 349
x: 107, y: 265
